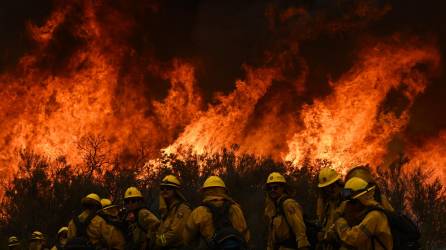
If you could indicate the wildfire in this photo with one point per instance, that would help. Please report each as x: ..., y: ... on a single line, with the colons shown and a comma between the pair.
x: 50, y: 112
x: 349, y: 127
x: 100, y: 87
x: 431, y: 155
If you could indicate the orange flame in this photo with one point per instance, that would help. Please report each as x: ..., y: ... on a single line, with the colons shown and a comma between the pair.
x: 345, y: 128
x: 50, y: 113
x: 431, y: 156
x: 349, y: 127
x: 50, y: 104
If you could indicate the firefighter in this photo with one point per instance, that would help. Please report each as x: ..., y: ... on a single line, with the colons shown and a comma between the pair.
x: 329, y: 207
x: 13, y: 243
x: 365, y: 173
x: 89, y: 220
x: 373, y: 231
x: 37, y: 241
x: 61, y: 239
x: 286, y: 227
x: 174, y: 213
x: 142, y: 224
x: 203, y: 227
x: 113, y: 229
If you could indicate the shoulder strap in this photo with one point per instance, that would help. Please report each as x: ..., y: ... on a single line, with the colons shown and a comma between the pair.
x: 139, y: 222
x: 280, y: 211
x: 89, y: 219
x: 280, y: 203
x: 368, y: 233
x: 373, y: 238
x: 220, y: 215
x: 380, y: 209
x: 81, y: 226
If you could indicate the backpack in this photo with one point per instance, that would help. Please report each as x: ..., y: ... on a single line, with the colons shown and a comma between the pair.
x: 225, y: 237
x: 81, y: 241
x: 312, y: 228
x: 405, y: 233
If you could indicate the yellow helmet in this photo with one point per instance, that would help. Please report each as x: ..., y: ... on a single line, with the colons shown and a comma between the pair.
x: 171, y: 181
x: 358, y: 187
x: 36, y: 235
x: 213, y: 181
x: 13, y: 241
x: 275, y: 177
x: 132, y: 192
x: 62, y: 230
x: 328, y: 176
x: 92, y: 199
x: 362, y: 172
x: 105, y: 203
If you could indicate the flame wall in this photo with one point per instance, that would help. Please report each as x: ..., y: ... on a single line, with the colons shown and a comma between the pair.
x: 323, y: 81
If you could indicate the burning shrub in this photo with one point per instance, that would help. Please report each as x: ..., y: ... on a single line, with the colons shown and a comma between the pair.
x: 46, y: 188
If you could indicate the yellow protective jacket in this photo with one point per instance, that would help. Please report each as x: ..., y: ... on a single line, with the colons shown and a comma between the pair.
x: 95, y: 230
x: 328, y: 211
x: 199, y: 225
x: 143, y: 229
x: 355, y: 218
x: 286, y: 225
x: 173, y: 219
x: 114, y: 237
x: 373, y: 228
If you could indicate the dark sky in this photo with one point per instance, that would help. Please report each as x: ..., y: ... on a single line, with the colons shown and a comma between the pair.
x: 220, y: 36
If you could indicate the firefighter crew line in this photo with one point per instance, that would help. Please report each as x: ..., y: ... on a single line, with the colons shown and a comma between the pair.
x: 351, y: 214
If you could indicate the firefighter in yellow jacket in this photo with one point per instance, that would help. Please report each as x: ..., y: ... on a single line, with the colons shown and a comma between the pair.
x: 200, y: 229
x: 329, y: 207
x: 174, y: 213
x: 89, y: 218
x: 142, y: 223
x: 112, y: 230
x: 61, y: 239
x: 284, y: 217
x: 373, y: 231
